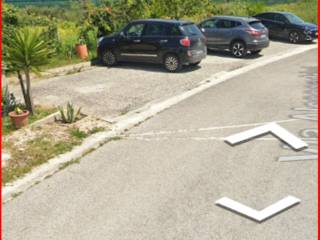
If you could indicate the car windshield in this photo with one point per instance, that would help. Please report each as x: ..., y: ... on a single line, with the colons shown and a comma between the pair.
x: 293, y: 19
x: 191, y: 29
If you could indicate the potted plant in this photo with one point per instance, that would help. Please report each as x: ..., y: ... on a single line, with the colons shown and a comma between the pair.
x: 81, y: 48
x: 19, y: 117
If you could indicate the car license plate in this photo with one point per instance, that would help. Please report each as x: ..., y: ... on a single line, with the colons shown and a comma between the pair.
x: 263, y: 36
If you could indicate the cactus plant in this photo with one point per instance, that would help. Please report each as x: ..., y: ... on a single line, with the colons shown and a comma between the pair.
x: 69, y: 115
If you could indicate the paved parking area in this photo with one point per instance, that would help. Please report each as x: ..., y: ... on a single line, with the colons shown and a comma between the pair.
x: 112, y: 92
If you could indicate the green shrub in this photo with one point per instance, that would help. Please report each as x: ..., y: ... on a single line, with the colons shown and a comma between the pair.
x: 89, y: 33
x: 9, y: 15
x: 52, y: 36
x: 306, y: 9
x: 68, y: 36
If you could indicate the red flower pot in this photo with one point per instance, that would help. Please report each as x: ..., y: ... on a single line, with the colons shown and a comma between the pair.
x: 82, y: 51
x: 19, y: 120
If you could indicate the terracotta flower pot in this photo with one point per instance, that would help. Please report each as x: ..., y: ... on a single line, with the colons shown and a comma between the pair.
x: 82, y: 51
x: 19, y: 120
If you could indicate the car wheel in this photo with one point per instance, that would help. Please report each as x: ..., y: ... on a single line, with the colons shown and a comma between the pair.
x: 294, y: 37
x: 195, y: 64
x: 109, y: 58
x: 239, y: 49
x: 256, y: 52
x: 172, y: 63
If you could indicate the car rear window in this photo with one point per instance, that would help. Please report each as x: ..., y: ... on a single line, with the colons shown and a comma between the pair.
x: 191, y: 29
x: 256, y: 25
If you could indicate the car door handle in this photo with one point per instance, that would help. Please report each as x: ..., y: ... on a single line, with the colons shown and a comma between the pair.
x: 163, y: 41
x: 136, y: 40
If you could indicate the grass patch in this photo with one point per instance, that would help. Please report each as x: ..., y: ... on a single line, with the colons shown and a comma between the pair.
x: 40, y: 113
x: 96, y: 130
x: 39, y: 150
x: 77, y: 133
x: 117, y: 138
x: 35, y: 153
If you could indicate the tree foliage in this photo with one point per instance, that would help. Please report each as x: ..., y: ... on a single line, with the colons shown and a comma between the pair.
x: 27, y: 51
x: 178, y: 9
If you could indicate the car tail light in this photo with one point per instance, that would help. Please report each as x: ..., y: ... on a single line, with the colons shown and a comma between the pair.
x: 185, y: 42
x: 254, y: 33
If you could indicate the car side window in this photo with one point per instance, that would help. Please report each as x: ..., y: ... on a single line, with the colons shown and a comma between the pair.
x: 156, y: 29
x: 173, y: 30
x: 227, y: 24
x: 267, y: 16
x: 280, y: 18
x: 135, y: 30
x: 209, y: 24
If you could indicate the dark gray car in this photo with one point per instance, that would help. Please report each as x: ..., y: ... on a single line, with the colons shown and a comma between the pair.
x: 240, y: 35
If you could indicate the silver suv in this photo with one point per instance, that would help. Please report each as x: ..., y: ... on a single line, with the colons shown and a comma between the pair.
x: 239, y: 35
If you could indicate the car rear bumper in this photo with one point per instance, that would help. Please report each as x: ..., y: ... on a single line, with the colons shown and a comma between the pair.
x: 254, y: 46
x: 193, y: 56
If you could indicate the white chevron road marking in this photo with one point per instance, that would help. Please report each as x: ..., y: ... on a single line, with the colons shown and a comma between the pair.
x: 262, y: 215
x: 273, y: 128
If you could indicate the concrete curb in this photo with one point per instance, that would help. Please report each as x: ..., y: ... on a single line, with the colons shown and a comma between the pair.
x: 130, y: 120
x: 67, y: 69
x: 61, y: 71
x: 44, y: 120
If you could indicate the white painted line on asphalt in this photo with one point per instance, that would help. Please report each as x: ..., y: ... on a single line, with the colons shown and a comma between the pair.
x: 151, y: 138
x: 309, y: 154
x: 262, y: 215
x: 273, y: 128
x: 298, y: 158
x: 165, y: 132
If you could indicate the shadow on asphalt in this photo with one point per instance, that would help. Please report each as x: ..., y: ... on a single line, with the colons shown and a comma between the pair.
x: 96, y: 62
x: 280, y: 40
x: 149, y: 67
x: 227, y: 54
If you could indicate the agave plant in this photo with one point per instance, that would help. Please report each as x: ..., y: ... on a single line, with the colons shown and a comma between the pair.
x: 70, y: 114
x: 26, y: 51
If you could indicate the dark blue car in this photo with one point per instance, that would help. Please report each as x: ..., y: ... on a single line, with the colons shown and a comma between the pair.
x: 170, y: 42
x: 288, y: 26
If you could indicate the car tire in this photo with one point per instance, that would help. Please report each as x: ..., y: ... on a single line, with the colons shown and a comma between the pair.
x: 109, y: 58
x: 256, y: 52
x: 238, y: 49
x: 172, y: 63
x: 195, y: 64
x: 294, y: 37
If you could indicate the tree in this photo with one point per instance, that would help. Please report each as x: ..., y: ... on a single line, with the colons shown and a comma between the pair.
x: 125, y: 11
x: 177, y: 9
x: 27, y: 50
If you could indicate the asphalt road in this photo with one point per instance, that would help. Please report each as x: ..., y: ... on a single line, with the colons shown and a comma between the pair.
x: 162, y: 179
x: 108, y: 93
